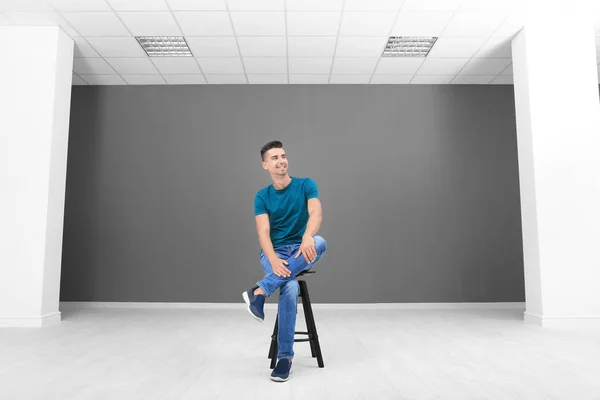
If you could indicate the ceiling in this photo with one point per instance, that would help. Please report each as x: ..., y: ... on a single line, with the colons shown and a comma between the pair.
x: 283, y: 41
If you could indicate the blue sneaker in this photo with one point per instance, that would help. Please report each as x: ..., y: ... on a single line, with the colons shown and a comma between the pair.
x: 282, y: 371
x: 256, y: 303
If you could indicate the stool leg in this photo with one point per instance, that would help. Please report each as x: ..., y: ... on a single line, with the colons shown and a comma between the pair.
x: 312, y: 346
x: 313, y: 353
x: 273, y: 349
x: 310, y: 322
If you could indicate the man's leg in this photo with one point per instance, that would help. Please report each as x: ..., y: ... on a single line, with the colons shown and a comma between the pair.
x: 286, y: 314
x: 272, y: 282
x: 256, y: 301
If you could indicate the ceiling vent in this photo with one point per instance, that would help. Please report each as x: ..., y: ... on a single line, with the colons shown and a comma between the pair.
x: 164, y: 46
x: 408, y: 46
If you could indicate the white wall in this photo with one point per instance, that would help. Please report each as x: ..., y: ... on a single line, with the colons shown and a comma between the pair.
x: 558, y: 131
x: 35, y: 94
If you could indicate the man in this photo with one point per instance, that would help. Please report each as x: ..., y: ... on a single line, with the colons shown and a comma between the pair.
x: 288, y: 215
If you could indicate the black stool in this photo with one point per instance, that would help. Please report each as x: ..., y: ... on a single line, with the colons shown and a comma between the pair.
x: 313, y: 338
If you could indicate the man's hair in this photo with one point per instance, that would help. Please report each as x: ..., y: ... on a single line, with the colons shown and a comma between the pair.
x: 275, y: 144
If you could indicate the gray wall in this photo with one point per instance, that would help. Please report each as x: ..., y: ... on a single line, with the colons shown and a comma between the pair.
x: 419, y: 186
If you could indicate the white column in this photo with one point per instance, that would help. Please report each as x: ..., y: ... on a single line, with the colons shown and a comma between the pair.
x: 558, y: 134
x: 35, y: 94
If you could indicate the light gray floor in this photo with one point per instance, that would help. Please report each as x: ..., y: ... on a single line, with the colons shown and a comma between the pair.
x: 369, y: 354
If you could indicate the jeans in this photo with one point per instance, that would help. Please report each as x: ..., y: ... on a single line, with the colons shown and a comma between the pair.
x: 288, y: 291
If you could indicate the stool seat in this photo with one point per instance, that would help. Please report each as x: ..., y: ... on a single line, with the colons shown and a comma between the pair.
x: 313, y: 337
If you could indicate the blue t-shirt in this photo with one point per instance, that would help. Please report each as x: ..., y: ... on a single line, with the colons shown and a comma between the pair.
x: 287, y: 209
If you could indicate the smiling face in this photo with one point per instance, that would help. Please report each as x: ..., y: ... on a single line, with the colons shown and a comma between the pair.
x: 276, y: 162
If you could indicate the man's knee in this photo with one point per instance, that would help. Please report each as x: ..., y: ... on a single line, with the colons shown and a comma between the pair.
x: 320, y: 244
x: 290, y: 288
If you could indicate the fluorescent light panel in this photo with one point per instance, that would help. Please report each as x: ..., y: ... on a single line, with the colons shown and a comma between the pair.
x: 408, y: 46
x: 164, y: 46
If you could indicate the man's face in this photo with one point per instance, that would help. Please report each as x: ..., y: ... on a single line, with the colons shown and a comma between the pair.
x: 276, y: 162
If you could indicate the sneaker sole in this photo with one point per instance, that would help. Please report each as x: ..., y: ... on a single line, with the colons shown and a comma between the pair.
x: 247, y: 300
x: 278, y: 379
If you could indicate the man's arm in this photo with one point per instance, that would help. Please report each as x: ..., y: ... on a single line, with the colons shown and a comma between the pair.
x: 263, y: 228
x: 316, y: 216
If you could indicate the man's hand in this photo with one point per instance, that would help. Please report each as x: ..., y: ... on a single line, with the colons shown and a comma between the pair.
x: 308, y: 249
x: 279, y: 269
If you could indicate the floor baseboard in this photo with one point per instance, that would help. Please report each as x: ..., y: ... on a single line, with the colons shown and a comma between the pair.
x: 320, y: 306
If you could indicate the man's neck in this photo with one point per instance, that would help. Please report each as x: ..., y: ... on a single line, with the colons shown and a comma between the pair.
x: 280, y: 183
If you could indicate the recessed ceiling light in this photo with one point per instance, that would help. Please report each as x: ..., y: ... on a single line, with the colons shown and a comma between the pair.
x: 408, y: 46
x: 164, y: 46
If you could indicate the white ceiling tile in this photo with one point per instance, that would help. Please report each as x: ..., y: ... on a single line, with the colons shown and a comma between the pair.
x: 511, y: 25
x: 398, y: 65
x: 77, y: 81
x: 221, y: 66
x: 350, y: 79
x: 262, y: 46
x: 485, y: 66
x: 311, y: 46
x: 80, y: 5
x: 176, y: 65
x: 391, y: 79
x: 309, y: 79
x: 132, y: 66
x: 83, y: 48
x: 103, y: 79
x: 367, y: 23
x: 144, y: 79
x: 473, y: 24
x: 82, y: 66
x: 25, y: 5
x: 40, y: 18
x: 354, y: 66
x: 456, y: 47
x: 432, y: 79
x: 314, y: 5
x: 138, y: 5
x: 492, y: 5
x: 267, y: 78
x: 213, y: 46
x: 508, y: 70
x: 257, y: 23
x: 118, y: 47
x: 503, y: 80
x: 204, y: 23
x: 421, y: 23
x: 185, y: 79
x: 495, y: 47
x: 360, y: 46
x: 265, y: 65
x: 371, y: 5
x: 307, y: 66
x: 442, y: 66
x: 271, y: 5
x: 188, y: 5
x: 316, y: 23
x: 430, y: 5
x: 472, y: 79
x: 96, y: 23
x: 154, y: 23
x: 226, y: 79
